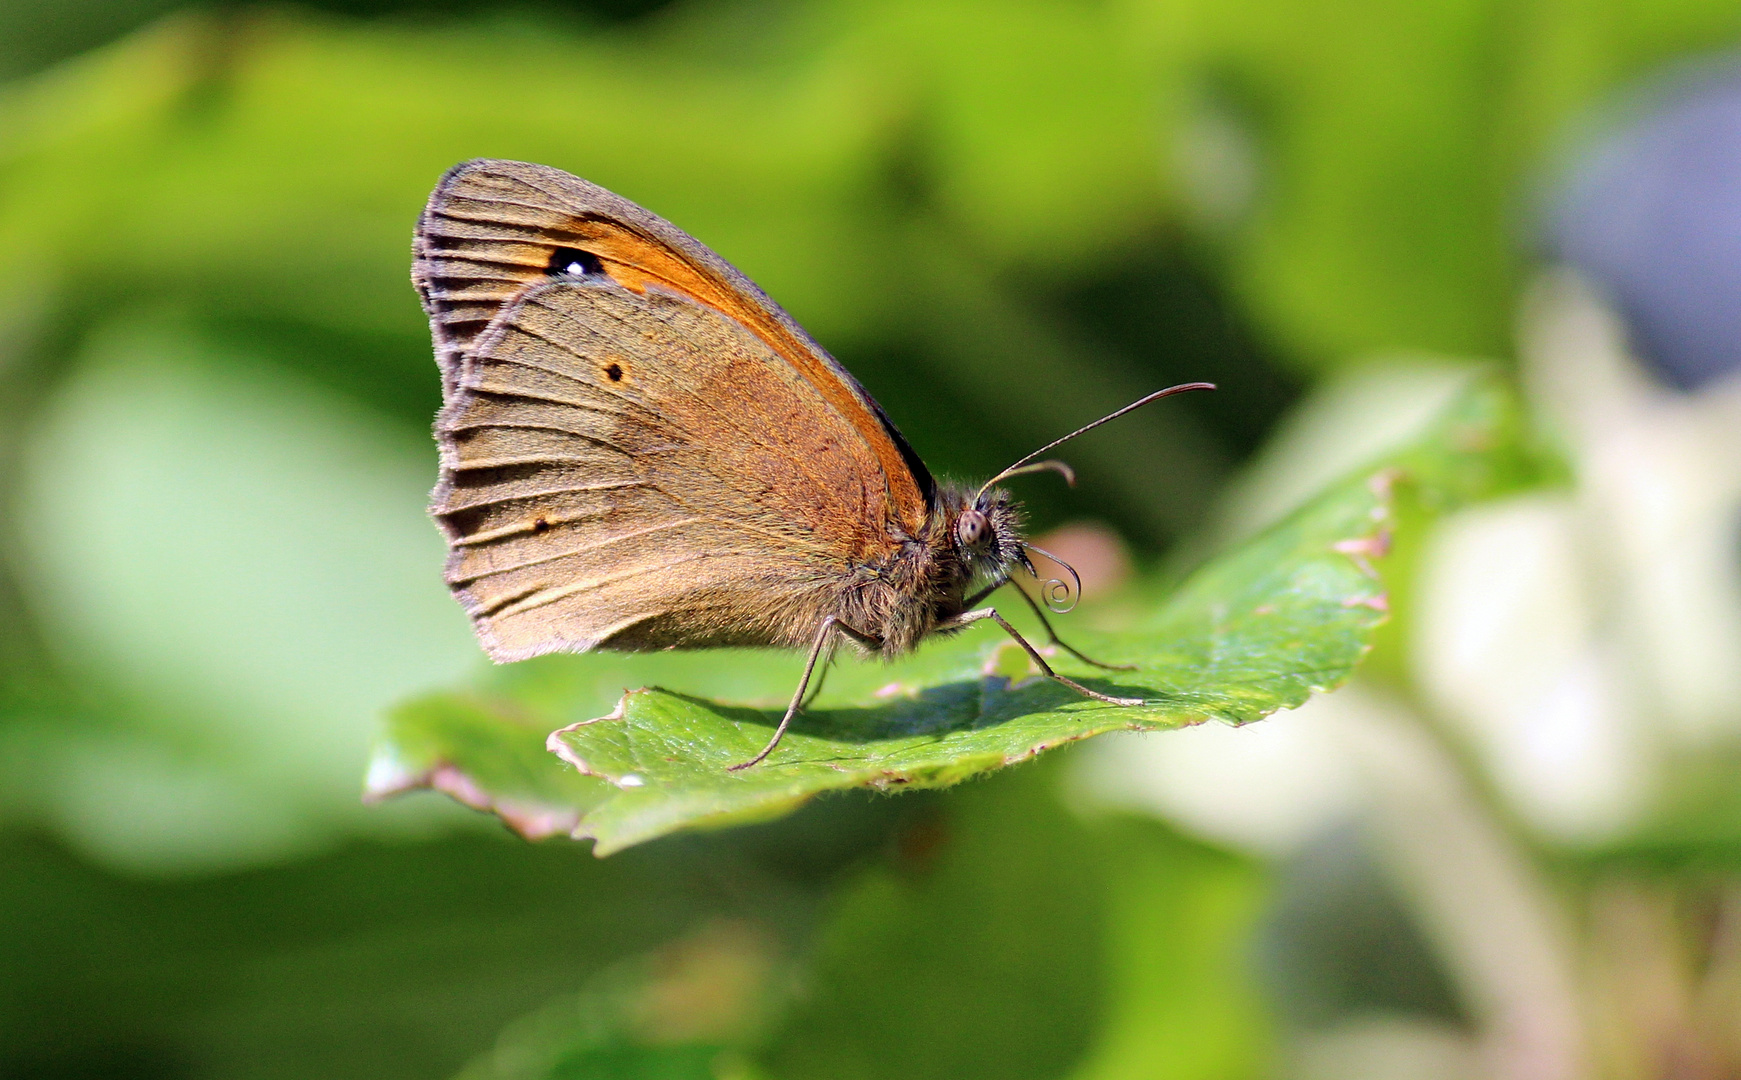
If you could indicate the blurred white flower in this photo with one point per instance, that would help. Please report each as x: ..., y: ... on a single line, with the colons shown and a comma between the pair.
x: 1659, y: 500
x: 1506, y: 648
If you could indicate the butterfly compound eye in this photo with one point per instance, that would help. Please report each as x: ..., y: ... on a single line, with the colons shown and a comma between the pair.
x: 573, y: 262
x: 972, y: 529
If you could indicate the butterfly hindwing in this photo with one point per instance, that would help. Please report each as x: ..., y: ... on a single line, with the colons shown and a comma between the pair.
x: 638, y: 470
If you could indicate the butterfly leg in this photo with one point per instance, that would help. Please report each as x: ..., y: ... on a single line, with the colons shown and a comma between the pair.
x: 824, y: 640
x: 1054, y: 639
x: 1034, y: 654
x: 826, y: 665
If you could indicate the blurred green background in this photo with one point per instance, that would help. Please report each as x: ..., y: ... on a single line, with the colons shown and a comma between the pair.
x: 1511, y: 850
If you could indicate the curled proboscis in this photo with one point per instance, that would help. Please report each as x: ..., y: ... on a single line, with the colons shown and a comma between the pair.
x: 1060, y: 596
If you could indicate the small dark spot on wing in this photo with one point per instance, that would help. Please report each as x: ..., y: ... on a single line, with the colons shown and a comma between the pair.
x: 615, y: 372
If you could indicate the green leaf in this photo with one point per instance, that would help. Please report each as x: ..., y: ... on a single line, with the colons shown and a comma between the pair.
x: 1005, y: 936
x: 1182, y: 994
x: 681, y: 1012
x: 1258, y: 629
x: 974, y: 949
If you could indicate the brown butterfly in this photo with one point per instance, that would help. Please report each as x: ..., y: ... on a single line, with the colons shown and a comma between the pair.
x: 640, y: 450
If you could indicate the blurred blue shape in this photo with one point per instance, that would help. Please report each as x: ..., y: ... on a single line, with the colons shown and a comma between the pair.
x: 1652, y: 214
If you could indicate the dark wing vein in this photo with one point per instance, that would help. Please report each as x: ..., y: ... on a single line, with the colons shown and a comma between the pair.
x: 551, y: 596
x: 599, y: 545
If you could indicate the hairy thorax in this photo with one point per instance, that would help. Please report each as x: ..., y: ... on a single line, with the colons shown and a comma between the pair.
x: 926, y: 581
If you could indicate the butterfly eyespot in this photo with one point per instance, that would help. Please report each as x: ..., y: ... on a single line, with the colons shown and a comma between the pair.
x: 614, y: 372
x: 573, y: 262
x: 540, y: 525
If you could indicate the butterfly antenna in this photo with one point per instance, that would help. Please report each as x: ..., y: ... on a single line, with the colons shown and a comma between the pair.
x: 1023, y: 465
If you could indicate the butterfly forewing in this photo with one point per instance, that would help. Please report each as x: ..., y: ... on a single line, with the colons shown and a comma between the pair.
x: 493, y: 229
